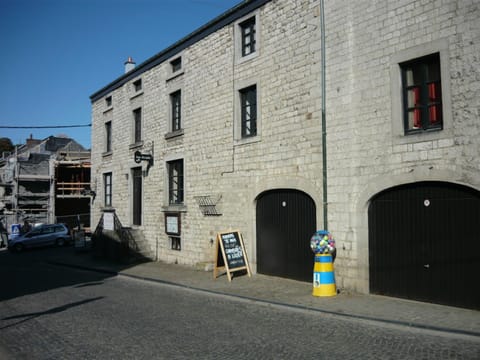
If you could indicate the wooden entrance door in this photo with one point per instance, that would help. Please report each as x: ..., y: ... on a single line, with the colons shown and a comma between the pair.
x: 286, y: 220
x: 137, y: 195
x: 424, y: 243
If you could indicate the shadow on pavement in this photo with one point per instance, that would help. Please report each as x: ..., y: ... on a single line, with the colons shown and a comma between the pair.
x: 34, y: 271
x: 30, y: 316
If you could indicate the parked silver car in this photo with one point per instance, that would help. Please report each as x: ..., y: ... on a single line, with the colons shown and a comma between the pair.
x: 43, y: 235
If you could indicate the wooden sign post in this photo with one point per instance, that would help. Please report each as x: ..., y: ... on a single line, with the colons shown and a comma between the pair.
x: 230, y: 254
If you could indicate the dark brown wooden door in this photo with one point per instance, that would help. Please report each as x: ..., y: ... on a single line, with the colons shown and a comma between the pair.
x: 286, y: 220
x: 424, y: 243
x: 137, y: 195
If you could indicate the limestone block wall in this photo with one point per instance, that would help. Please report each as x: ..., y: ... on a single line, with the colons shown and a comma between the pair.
x: 367, y: 149
x: 286, y: 153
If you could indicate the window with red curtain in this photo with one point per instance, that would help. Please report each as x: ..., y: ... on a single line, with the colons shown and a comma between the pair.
x: 422, y: 94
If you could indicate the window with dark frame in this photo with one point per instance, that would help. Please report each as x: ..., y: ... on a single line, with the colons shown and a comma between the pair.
x: 108, y: 136
x: 248, y: 106
x: 422, y: 94
x: 107, y: 189
x: 137, y: 85
x: 175, y: 182
x: 108, y: 101
x: 176, y: 64
x: 175, y: 243
x: 176, y: 103
x: 247, y: 29
x: 137, y: 125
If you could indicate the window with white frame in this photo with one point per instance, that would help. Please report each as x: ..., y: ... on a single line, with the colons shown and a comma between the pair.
x: 247, y: 37
x: 421, y: 108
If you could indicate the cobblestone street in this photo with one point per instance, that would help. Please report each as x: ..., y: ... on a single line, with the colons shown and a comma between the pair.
x: 54, y: 312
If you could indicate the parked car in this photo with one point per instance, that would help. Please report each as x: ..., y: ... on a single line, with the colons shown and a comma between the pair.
x: 43, y: 235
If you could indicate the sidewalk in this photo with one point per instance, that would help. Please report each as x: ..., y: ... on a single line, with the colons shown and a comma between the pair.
x: 292, y: 293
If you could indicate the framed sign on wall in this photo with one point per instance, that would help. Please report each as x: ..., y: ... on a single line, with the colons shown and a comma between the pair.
x: 172, y: 223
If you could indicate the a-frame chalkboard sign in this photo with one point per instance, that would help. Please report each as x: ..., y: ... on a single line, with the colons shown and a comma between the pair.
x: 230, y: 254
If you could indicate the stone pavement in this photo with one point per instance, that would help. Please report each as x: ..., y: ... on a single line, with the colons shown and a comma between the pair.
x: 290, y: 293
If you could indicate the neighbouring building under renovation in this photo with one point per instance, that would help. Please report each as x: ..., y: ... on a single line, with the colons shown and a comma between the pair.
x: 46, y: 181
x: 279, y: 118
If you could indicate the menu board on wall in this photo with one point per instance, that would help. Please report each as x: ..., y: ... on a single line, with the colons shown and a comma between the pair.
x: 108, y: 221
x: 230, y: 254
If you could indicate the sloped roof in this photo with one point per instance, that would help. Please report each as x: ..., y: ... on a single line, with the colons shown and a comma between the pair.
x: 219, y: 22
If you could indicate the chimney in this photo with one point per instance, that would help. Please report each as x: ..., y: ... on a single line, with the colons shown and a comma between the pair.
x: 129, y: 64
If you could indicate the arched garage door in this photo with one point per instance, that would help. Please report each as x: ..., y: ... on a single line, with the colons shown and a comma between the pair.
x: 424, y: 243
x: 286, y: 220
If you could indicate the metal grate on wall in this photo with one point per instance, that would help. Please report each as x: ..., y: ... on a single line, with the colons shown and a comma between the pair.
x: 208, y: 204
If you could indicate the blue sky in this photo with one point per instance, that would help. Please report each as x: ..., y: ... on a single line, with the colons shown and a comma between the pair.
x: 56, y: 53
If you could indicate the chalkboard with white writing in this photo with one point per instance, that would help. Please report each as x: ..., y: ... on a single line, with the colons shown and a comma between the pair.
x: 230, y: 253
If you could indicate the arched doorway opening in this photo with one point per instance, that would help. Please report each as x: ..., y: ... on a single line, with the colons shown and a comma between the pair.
x: 285, y: 220
x: 424, y: 243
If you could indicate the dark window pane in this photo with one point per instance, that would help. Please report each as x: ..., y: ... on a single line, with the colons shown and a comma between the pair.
x: 108, y: 136
x: 176, y: 64
x: 248, y: 102
x: 137, y: 118
x: 107, y: 186
x: 175, y: 182
x: 248, y: 36
x: 422, y: 94
x: 138, y: 85
x: 176, y: 102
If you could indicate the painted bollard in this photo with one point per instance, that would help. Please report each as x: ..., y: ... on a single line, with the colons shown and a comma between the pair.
x: 323, y: 245
x: 323, y: 276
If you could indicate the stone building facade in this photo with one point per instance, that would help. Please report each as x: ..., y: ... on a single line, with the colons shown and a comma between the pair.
x: 231, y: 116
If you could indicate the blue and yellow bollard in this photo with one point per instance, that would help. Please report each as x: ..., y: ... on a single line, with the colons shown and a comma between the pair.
x: 324, y: 276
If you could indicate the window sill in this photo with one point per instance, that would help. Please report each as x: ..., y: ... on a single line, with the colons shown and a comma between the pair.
x: 136, y: 95
x: 421, y: 136
x: 110, y: 108
x: 174, y: 208
x: 248, y: 140
x: 245, y: 58
x: 175, y: 75
x: 136, y: 145
x: 107, y: 154
x: 174, y: 134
